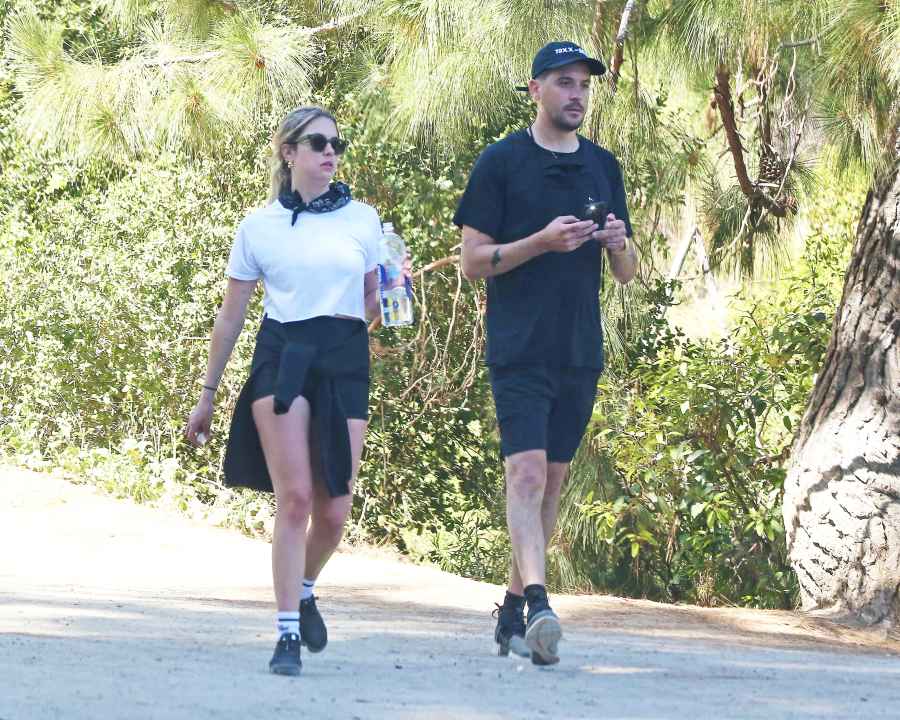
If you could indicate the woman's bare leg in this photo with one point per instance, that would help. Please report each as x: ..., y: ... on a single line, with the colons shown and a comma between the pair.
x: 329, y: 515
x: 285, y: 443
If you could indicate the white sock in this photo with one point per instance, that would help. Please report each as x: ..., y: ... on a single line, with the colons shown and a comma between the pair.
x: 288, y: 622
x: 306, y: 590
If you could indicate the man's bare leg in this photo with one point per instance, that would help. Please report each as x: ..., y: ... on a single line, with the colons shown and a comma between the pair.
x: 525, y: 488
x: 526, y: 481
x: 556, y: 478
x: 526, y: 485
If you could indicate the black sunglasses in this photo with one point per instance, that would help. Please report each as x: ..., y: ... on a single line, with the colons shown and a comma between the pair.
x: 317, y: 141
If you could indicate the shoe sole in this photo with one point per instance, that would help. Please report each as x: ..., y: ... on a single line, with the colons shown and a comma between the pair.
x: 542, y: 637
x: 303, y: 643
x: 313, y: 649
x: 292, y: 670
x: 540, y: 662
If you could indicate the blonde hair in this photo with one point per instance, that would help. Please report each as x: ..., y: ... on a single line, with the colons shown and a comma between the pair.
x: 289, y: 131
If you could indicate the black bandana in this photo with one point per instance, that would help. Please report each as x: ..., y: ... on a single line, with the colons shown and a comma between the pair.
x: 337, y: 195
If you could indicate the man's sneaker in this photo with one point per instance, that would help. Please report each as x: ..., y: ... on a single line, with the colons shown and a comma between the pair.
x: 510, y: 631
x: 286, y: 660
x: 313, y: 632
x: 542, y: 635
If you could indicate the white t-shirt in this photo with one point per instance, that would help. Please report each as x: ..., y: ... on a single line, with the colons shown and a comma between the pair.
x: 312, y: 268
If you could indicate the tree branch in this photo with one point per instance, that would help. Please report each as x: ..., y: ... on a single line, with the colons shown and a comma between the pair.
x: 213, y: 54
x: 799, y: 43
x: 449, y: 260
x: 335, y: 24
x: 765, y: 117
x: 722, y: 90
x: 615, y: 64
x: 798, y: 136
x: 165, y: 62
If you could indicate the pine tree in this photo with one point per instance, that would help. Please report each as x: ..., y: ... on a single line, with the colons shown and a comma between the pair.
x: 177, y: 75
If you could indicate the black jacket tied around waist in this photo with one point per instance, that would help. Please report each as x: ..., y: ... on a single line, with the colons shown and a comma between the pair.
x: 314, y: 355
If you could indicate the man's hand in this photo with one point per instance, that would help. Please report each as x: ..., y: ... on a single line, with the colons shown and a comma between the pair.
x: 566, y: 233
x: 613, y: 236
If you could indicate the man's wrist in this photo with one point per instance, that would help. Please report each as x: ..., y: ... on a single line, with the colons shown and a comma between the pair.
x: 536, y: 243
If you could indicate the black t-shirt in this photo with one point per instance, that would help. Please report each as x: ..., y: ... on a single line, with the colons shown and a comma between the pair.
x: 546, y: 310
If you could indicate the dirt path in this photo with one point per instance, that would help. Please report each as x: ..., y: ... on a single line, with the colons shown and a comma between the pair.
x: 112, y: 610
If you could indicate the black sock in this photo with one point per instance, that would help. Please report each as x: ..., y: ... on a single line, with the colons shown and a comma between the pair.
x: 536, y: 595
x: 516, y: 602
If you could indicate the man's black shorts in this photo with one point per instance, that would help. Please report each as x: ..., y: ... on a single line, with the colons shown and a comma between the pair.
x: 543, y: 408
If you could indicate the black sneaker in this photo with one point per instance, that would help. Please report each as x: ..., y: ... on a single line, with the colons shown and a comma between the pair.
x: 313, y: 632
x: 286, y: 660
x: 510, y: 631
x: 542, y: 635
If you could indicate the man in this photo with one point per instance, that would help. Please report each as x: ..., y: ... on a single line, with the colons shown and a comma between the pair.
x: 522, y: 229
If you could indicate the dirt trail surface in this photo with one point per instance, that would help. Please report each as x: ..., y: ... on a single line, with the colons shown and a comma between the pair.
x: 113, y: 610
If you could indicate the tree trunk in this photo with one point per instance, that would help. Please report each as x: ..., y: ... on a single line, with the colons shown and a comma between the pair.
x: 842, y: 491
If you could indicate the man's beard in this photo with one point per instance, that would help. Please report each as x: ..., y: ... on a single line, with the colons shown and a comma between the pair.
x: 561, y: 122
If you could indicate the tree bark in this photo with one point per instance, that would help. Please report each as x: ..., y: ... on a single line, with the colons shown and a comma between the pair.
x: 842, y: 491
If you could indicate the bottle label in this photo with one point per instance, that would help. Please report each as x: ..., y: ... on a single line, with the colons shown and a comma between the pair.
x: 396, y: 307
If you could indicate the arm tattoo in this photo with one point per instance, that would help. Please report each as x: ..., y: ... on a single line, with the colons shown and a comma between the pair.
x: 495, y: 258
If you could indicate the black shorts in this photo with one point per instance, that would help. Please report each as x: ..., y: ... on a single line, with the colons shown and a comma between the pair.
x: 354, y: 394
x: 543, y: 408
x: 353, y: 391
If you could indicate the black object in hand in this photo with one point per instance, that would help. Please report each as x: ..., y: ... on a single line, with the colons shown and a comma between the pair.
x: 597, y: 211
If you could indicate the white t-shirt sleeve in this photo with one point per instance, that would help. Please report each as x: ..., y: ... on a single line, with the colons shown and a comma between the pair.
x: 373, y: 244
x: 241, y: 263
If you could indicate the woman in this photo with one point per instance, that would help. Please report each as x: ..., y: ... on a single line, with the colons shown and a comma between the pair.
x: 299, y: 422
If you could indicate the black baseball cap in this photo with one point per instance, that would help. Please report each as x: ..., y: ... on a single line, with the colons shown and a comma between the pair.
x: 557, y: 54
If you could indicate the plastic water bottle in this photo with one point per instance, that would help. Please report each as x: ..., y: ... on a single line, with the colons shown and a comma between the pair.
x: 396, y: 290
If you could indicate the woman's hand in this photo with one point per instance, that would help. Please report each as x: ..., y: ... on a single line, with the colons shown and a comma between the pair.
x: 197, y: 432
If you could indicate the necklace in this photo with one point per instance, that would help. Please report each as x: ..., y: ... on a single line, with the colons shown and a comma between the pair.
x: 534, y: 140
x: 543, y: 147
